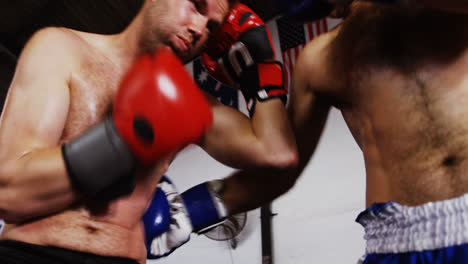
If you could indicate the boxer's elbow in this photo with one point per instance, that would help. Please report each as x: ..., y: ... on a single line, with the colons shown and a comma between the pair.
x: 12, y: 216
x: 16, y: 208
x: 15, y: 200
x: 11, y: 210
x: 7, y: 174
x: 285, y: 158
x: 9, y: 198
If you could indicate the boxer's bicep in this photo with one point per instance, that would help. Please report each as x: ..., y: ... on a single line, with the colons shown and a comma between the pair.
x: 230, y: 140
x: 307, y: 110
x: 38, y: 98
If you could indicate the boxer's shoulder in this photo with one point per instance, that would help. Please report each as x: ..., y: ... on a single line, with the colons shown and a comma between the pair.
x: 315, y: 62
x: 51, y: 41
x: 67, y: 48
x: 49, y: 50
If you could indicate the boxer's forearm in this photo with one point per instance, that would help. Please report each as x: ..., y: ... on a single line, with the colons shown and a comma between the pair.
x: 249, y: 189
x: 35, y: 185
x: 272, y: 127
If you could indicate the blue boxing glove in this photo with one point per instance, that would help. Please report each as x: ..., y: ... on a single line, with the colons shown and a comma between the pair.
x: 172, y: 217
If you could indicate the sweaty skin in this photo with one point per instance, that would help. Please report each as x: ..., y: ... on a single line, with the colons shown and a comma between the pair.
x: 112, y: 229
x: 399, y: 75
x: 64, y: 83
x: 401, y: 86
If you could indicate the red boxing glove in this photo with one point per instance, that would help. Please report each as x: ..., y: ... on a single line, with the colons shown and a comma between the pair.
x: 159, y: 108
x: 242, y: 52
x: 242, y: 24
x: 215, y: 70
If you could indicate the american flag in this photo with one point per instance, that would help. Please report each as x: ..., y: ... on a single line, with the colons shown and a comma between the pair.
x: 224, y: 93
x: 293, y: 36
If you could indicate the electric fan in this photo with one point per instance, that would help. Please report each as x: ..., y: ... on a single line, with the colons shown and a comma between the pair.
x: 228, y: 230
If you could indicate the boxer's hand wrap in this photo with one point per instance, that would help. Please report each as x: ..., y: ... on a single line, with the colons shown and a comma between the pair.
x: 269, y: 76
x: 158, y: 109
x: 242, y: 52
x: 172, y: 217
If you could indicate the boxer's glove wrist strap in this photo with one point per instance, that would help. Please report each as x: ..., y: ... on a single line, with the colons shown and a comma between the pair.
x: 204, y: 205
x: 262, y: 82
x: 99, y: 163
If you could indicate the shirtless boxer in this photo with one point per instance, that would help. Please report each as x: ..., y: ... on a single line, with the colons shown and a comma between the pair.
x: 241, y: 54
x: 64, y: 84
x: 399, y: 75
x: 401, y: 86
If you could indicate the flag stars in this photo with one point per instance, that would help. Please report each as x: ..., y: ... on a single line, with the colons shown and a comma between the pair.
x: 203, y: 77
x: 209, y: 84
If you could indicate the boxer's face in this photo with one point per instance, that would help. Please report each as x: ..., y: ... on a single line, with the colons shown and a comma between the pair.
x: 183, y: 25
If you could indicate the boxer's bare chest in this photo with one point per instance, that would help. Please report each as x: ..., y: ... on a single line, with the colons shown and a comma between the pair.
x: 108, y: 229
x: 407, y: 84
x: 402, y: 62
x: 92, y: 89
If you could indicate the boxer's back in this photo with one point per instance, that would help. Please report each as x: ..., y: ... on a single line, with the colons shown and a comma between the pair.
x: 404, y: 93
x: 105, y: 229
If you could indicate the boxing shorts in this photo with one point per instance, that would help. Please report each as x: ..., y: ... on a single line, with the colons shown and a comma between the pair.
x: 15, y: 252
x: 435, y: 233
